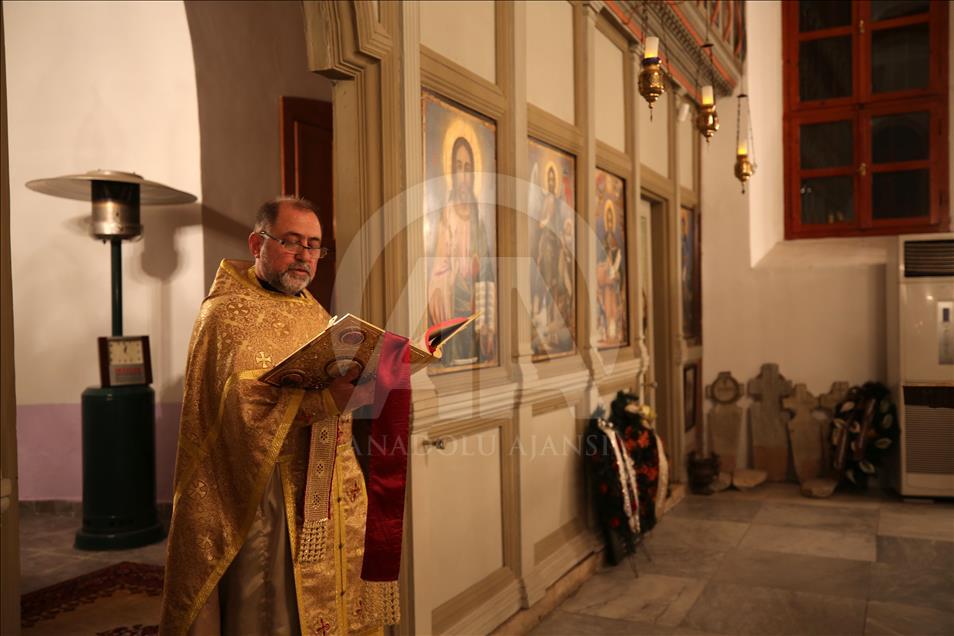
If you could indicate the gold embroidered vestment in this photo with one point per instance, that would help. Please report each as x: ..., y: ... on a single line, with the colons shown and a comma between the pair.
x: 234, y: 432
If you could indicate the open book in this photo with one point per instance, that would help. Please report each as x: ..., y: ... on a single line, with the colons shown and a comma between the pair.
x: 350, y: 342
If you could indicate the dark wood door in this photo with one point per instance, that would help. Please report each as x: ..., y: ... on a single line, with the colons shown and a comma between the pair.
x: 306, y: 149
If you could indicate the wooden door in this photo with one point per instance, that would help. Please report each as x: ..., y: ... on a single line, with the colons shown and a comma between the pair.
x: 645, y: 251
x: 306, y: 151
x: 664, y: 304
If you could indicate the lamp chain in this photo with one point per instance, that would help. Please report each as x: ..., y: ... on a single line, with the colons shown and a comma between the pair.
x: 645, y: 39
x: 738, y: 119
x: 748, y: 114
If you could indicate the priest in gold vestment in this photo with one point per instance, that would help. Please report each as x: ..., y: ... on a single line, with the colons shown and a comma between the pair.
x: 269, y: 510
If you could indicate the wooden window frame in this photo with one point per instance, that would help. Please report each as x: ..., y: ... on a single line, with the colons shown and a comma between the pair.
x: 859, y: 108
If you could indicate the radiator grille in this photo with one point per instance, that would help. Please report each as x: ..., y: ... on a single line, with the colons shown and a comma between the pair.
x: 928, y: 258
x: 929, y: 440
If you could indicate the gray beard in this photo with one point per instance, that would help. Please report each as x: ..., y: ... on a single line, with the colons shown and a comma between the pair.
x: 287, y: 284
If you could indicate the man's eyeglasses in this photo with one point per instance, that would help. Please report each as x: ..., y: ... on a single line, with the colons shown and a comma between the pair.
x: 294, y: 247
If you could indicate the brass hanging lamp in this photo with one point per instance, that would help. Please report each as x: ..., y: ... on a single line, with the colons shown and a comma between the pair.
x: 651, y: 83
x: 707, y: 119
x: 744, y: 142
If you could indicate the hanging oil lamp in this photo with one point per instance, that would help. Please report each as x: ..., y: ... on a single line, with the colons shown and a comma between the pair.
x: 744, y: 142
x: 650, y: 83
x: 707, y: 119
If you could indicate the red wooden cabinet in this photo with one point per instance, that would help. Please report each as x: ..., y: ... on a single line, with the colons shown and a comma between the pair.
x: 865, y: 121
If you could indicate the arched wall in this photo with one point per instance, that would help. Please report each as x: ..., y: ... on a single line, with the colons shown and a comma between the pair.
x: 247, y: 55
x: 97, y: 85
x: 186, y: 94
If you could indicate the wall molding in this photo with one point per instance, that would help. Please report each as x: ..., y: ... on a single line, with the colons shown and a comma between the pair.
x: 480, y: 608
x: 560, y: 561
x: 553, y: 541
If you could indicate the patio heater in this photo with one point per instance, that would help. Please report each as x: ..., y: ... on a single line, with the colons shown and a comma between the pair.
x: 119, y: 448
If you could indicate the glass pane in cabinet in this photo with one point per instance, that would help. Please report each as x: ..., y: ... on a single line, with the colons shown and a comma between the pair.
x: 827, y: 145
x: 887, y: 9
x: 901, y: 137
x: 828, y: 200
x: 814, y: 16
x: 900, y: 59
x: 824, y: 68
x: 899, y: 195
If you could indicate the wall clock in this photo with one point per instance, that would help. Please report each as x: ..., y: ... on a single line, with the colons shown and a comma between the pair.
x: 124, y: 361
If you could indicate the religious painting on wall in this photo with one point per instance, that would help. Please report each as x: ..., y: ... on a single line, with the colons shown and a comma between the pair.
x: 691, y: 394
x: 460, y: 229
x: 691, y: 275
x: 612, y: 320
x: 551, y: 207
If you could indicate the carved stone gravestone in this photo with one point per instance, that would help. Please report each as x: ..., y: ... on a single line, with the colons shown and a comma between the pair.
x: 826, y: 408
x: 805, y: 434
x: 769, y: 432
x: 819, y: 488
x: 724, y: 421
x: 721, y: 482
x: 747, y: 478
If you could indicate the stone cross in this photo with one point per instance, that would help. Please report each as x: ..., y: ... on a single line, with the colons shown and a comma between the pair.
x: 805, y: 434
x: 769, y: 432
x: 724, y: 422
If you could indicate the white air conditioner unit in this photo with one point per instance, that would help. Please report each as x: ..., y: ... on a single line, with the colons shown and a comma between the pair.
x: 920, y: 356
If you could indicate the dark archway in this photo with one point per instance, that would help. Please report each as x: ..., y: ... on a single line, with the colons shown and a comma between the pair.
x: 247, y: 56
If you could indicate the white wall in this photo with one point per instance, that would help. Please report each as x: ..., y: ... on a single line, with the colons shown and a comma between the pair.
x: 817, y: 308
x: 609, y: 86
x: 464, y: 32
x: 550, y: 84
x: 654, y: 133
x: 765, y: 98
x: 96, y: 85
x: 687, y: 140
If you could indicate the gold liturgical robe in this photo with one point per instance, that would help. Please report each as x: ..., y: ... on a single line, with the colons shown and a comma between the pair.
x: 235, y: 434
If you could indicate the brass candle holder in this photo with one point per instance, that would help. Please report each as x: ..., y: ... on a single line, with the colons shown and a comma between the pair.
x: 745, y: 143
x: 707, y: 121
x: 743, y: 169
x: 651, y: 84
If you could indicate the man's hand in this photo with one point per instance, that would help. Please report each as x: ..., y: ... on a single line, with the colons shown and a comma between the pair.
x: 346, y: 395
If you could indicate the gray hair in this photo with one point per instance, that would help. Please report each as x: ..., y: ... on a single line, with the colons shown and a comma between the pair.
x: 268, y: 212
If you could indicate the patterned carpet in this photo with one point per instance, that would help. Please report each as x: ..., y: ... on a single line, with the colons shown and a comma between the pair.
x: 118, y: 600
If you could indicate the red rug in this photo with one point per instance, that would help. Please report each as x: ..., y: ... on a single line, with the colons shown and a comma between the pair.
x: 119, y: 600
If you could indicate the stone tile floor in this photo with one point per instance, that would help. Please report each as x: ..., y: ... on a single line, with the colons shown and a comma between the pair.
x: 767, y: 561
x: 770, y: 561
x: 47, y: 555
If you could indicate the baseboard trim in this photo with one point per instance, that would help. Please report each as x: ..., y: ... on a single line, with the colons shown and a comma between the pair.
x: 564, y: 587
x: 63, y: 508
x: 561, y: 561
x: 488, y: 611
